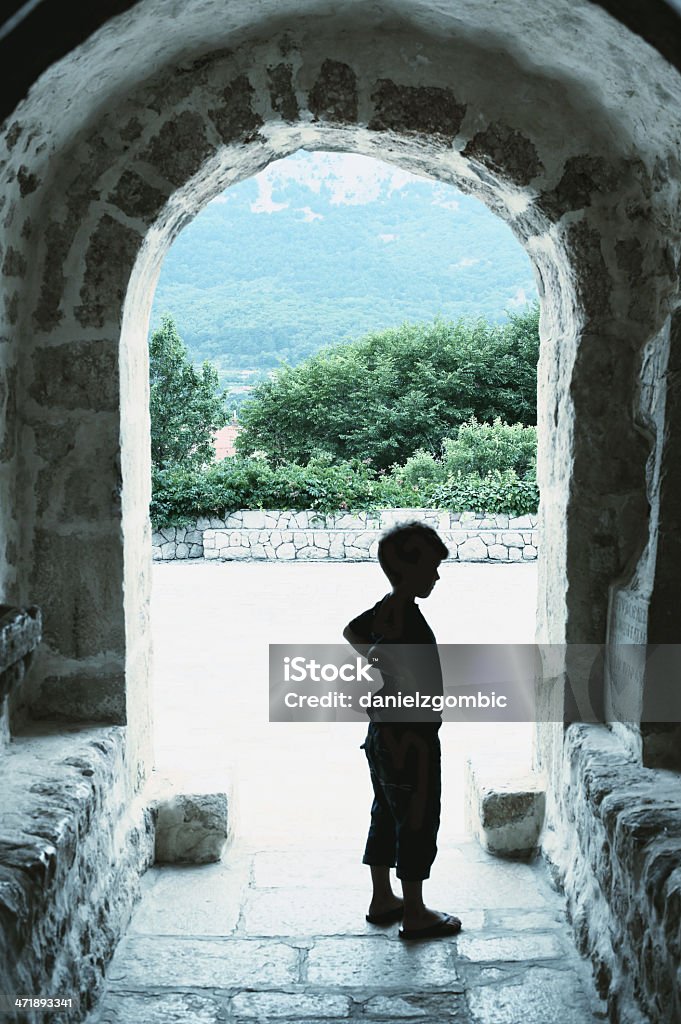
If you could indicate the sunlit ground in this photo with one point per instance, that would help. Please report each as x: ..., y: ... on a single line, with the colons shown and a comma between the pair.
x: 306, y: 782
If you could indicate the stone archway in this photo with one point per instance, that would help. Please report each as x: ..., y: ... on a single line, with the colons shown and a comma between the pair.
x: 93, y: 203
x: 580, y: 202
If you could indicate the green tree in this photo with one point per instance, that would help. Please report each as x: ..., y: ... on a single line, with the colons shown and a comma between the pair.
x: 394, y: 392
x: 186, y: 405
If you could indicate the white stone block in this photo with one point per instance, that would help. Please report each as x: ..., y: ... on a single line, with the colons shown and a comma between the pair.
x: 520, y: 522
x: 168, y: 532
x: 322, y: 539
x: 168, y: 550
x: 310, y: 553
x: 473, y: 550
x: 196, y: 551
x: 258, y: 551
x: 373, y: 550
x: 211, y: 553
x: 202, y: 523
x: 235, y: 553
x: 349, y: 522
x: 253, y: 519
x: 514, y: 554
x: 275, y: 538
x: 182, y: 551
x: 512, y: 540
x: 239, y: 539
x: 157, y: 539
x: 216, y: 523
x: 365, y: 540
x: 287, y: 536
x: 498, y: 552
x: 286, y: 551
x: 504, y: 806
x: 337, y: 547
x: 156, y: 551
x: 301, y: 520
x: 269, y: 551
x: 208, y: 539
x: 191, y: 828
x: 529, y: 551
x: 221, y: 538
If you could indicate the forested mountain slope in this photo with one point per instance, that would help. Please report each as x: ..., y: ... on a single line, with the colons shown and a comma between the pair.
x: 324, y: 247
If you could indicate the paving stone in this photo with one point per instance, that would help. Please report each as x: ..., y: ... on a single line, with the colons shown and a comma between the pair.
x: 528, y: 946
x: 203, y: 900
x: 315, y: 869
x: 538, y: 996
x: 495, y: 886
x: 318, y: 912
x: 295, y: 1005
x: 152, y: 1008
x: 382, y: 962
x: 201, y: 963
x: 449, y: 1006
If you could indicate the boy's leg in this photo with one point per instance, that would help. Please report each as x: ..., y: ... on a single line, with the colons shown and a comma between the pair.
x: 417, y: 835
x: 380, y: 848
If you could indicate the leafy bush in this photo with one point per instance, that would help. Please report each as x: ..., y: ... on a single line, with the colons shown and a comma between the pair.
x: 495, y: 492
x: 181, y: 495
x: 484, y: 448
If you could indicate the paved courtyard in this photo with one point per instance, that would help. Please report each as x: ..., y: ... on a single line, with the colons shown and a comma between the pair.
x: 276, y: 930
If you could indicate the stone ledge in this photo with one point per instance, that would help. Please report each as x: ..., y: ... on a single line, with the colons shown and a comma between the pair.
x: 618, y: 858
x: 504, y: 806
x: 72, y: 848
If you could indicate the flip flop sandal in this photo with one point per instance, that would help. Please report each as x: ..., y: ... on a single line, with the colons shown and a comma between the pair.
x: 448, y: 926
x: 387, y: 917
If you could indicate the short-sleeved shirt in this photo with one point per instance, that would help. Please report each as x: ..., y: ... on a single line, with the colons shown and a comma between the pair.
x: 422, y: 667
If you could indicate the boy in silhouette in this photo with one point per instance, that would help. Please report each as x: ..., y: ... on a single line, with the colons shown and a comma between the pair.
x: 402, y: 745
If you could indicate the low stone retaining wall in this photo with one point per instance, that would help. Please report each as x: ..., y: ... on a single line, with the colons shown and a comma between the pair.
x: 314, y: 536
x: 619, y: 861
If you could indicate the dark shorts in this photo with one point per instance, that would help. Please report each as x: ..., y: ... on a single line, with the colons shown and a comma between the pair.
x: 405, y: 814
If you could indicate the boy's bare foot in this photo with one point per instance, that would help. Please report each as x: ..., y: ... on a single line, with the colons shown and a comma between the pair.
x: 388, y: 904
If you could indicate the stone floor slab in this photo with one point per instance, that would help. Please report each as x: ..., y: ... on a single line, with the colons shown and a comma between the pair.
x: 527, y: 946
x: 385, y: 963
x: 536, y: 996
x: 450, y: 1006
x: 192, y: 901
x: 189, y: 962
x: 291, y: 1005
x: 156, y: 1008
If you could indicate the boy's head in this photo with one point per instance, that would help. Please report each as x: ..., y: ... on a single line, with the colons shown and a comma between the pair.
x: 409, y: 556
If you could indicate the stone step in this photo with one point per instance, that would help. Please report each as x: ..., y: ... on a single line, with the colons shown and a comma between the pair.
x: 504, y: 805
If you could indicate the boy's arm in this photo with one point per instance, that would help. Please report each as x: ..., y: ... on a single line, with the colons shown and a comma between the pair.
x: 360, y: 643
x: 358, y: 632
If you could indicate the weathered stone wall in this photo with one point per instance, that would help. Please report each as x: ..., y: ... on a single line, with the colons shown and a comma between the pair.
x: 274, y: 535
x: 620, y: 864
x: 73, y: 844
